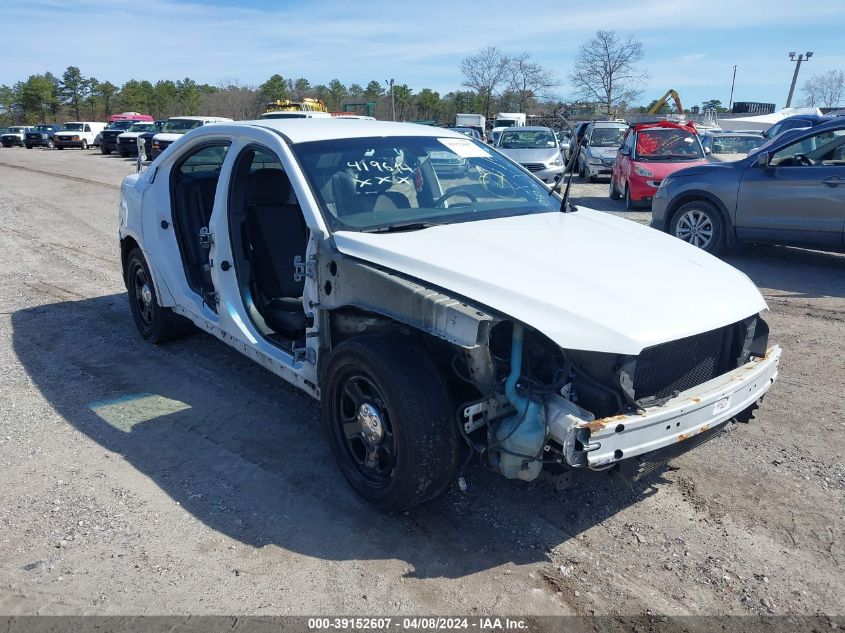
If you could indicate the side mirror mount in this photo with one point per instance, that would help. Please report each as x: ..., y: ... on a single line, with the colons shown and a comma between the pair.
x: 707, y: 150
x: 625, y: 151
x: 763, y: 160
x: 585, y: 142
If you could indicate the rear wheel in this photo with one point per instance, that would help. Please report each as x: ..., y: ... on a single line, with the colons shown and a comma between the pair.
x: 699, y: 223
x: 390, y: 420
x: 155, y: 323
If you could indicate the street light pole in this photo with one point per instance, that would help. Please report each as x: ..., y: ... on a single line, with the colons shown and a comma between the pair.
x: 733, y: 82
x: 800, y: 59
x: 389, y: 82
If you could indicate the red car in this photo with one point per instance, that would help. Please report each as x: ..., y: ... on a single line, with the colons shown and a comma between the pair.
x: 650, y: 152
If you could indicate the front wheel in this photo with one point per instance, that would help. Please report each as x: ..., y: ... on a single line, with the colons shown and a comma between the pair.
x: 28, y: 146
x: 51, y: 144
x: 390, y: 420
x: 614, y: 193
x: 155, y: 323
x: 84, y: 144
x: 630, y: 205
x: 699, y: 223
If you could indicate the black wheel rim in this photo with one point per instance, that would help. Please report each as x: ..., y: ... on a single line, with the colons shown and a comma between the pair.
x: 363, y: 429
x: 143, y: 295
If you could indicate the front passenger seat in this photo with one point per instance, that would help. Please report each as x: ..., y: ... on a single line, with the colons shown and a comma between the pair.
x: 276, y: 233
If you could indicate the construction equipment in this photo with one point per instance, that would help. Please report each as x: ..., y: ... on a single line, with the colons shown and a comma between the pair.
x: 662, y: 101
x: 305, y: 105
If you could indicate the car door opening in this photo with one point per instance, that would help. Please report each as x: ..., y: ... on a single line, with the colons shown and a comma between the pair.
x: 269, y: 236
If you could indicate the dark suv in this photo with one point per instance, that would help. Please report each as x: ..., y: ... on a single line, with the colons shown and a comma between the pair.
x: 790, y: 192
x: 108, y: 143
x: 41, y: 135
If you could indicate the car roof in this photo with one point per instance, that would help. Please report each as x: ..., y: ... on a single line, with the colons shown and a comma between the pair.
x: 529, y: 128
x: 619, y: 124
x: 198, y: 118
x: 306, y: 130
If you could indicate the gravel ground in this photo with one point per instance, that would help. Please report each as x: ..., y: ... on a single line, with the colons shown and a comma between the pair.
x: 228, y: 500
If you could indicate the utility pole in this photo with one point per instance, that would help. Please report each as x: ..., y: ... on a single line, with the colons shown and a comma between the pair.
x: 733, y: 83
x: 389, y: 82
x: 800, y: 59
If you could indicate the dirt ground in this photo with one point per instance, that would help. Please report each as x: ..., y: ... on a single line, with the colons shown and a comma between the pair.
x: 225, y: 498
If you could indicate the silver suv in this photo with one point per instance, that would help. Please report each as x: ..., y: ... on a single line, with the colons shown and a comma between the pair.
x: 598, y: 149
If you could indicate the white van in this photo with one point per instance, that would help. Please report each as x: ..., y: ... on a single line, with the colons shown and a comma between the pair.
x: 80, y: 134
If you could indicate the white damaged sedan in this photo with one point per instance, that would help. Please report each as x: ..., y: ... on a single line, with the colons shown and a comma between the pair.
x: 436, y: 311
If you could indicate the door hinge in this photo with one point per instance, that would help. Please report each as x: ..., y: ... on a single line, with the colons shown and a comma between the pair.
x: 211, y: 299
x: 304, y: 354
x: 206, y: 237
x: 304, y: 269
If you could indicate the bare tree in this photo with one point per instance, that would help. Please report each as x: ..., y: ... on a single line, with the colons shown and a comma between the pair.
x: 825, y: 89
x: 485, y: 72
x: 234, y: 100
x: 606, y: 71
x: 529, y: 81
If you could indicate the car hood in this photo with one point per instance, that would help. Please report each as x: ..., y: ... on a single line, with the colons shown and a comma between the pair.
x: 540, y: 155
x: 168, y: 136
x: 130, y: 135
x: 587, y: 280
x: 602, y: 152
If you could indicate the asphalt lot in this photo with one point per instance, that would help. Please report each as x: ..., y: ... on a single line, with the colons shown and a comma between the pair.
x: 221, y: 496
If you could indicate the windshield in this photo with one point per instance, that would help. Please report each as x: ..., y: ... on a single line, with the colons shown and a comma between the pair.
x: 607, y: 136
x: 527, y: 139
x: 16, y: 130
x: 73, y: 127
x: 141, y: 127
x: 47, y: 128
x: 120, y: 125
x: 668, y: 144
x: 383, y: 184
x: 735, y: 144
x: 180, y: 125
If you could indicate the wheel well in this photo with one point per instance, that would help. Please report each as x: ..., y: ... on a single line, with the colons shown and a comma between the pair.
x: 693, y: 197
x: 346, y: 323
x: 127, y: 245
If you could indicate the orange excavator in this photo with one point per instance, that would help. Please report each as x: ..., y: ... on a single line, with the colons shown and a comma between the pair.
x: 662, y: 101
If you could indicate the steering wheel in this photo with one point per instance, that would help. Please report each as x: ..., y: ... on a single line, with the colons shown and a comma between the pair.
x: 803, y: 160
x: 460, y: 190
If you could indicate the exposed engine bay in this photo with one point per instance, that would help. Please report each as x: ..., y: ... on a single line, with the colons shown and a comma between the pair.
x: 542, y: 405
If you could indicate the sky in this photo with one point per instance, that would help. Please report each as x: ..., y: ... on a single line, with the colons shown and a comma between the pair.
x: 688, y: 45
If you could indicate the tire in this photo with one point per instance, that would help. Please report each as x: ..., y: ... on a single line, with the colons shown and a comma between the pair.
x: 699, y: 223
x: 104, y: 151
x: 28, y: 146
x: 630, y: 205
x: 51, y: 144
x: 84, y: 144
x: 154, y: 323
x: 582, y: 171
x: 592, y: 178
x: 614, y: 193
x: 390, y: 421
x: 59, y: 146
x: 124, y: 154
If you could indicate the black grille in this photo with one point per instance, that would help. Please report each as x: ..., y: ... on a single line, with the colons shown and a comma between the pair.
x: 682, y: 364
x: 534, y: 166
